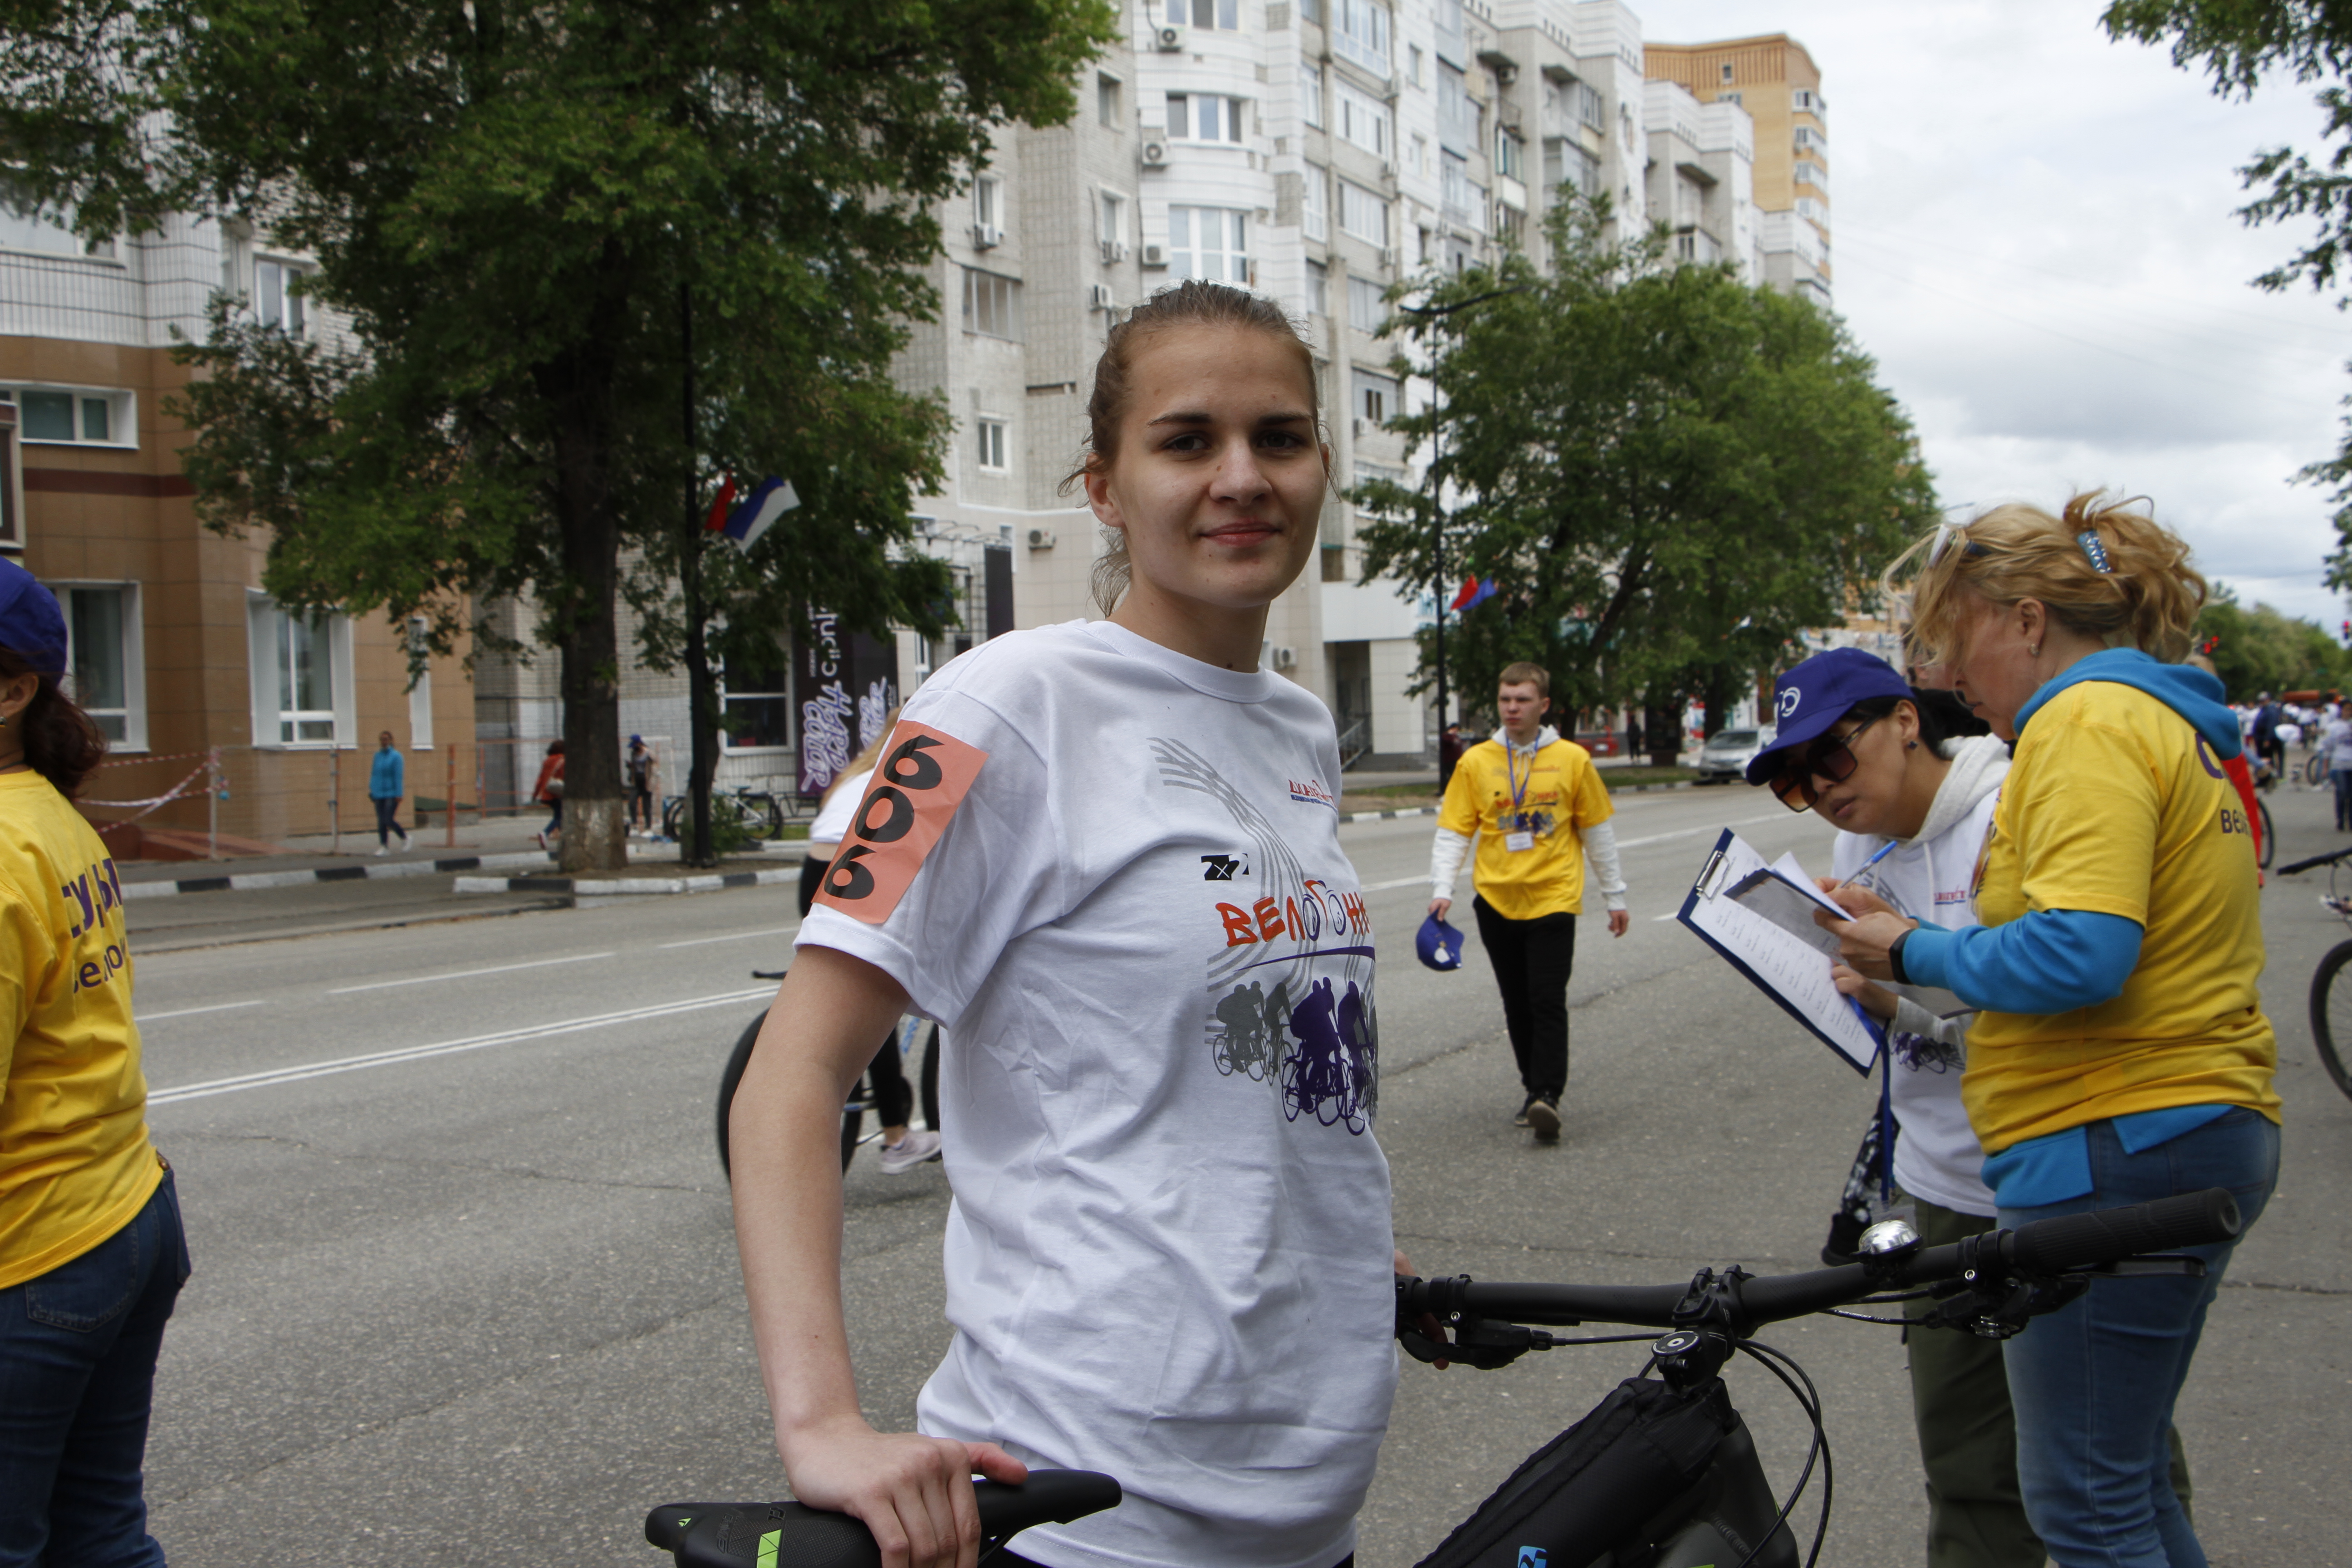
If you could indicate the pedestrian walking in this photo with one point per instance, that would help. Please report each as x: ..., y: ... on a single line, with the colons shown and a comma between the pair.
x: 1080, y: 842
x: 2336, y: 747
x: 637, y: 770
x: 92, y: 1255
x: 1539, y: 810
x: 386, y: 783
x: 1449, y: 753
x: 549, y: 791
x: 2120, y: 1054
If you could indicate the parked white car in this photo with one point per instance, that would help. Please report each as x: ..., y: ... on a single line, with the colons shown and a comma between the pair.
x: 1726, y: 755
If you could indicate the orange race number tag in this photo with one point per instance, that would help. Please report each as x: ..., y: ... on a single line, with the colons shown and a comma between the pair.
x: 923, y: 777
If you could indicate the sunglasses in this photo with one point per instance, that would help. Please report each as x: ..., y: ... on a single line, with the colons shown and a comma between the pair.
x: 1946, y: 532
x: 1831, y: 760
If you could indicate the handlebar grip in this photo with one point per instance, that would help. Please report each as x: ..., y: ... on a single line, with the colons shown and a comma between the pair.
x: 2104, y: 1235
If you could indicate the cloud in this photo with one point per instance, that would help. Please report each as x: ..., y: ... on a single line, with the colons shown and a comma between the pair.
x: 2033, y: 235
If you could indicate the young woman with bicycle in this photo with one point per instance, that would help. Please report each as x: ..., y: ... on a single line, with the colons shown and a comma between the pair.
x: 1079, y: 841
x: 1858, y: 747
x: 2120, y: 1052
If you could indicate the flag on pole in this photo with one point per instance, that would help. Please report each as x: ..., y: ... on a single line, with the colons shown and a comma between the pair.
x: 759, y: 510
x: 1473, y: 595
x: 717, y: 518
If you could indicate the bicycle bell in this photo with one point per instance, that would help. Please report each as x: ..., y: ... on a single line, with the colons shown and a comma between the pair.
x: 1889, y: 1238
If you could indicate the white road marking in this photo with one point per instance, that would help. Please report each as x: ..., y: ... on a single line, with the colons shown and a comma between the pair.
x: 1401, y: 882
x: 1782, y: 816
x: 190, y: 1012
x: 448, y: 1047
x: 734, y: 936
x: 465, y: 973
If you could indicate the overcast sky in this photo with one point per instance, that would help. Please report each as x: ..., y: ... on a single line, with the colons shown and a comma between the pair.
x: 2031, y: 232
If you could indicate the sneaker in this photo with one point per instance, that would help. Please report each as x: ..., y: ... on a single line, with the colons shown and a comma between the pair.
x: 913, y: 1150
x: 1521, y: 1119
x: 382, y: 850
x: 1543, y: 1117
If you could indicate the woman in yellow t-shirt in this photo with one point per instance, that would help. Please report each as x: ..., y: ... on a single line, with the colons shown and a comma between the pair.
x: 91, y: 1252
x: 2121, y: 1053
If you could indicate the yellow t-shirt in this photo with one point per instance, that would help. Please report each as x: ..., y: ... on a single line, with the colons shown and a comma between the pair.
x: 76, y: 1164
x: 1560, y: 797
x: 2116, y: 805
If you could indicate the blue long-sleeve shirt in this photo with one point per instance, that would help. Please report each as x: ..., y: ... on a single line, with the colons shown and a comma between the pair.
x: 2052, y: 960
x: 387, y: 778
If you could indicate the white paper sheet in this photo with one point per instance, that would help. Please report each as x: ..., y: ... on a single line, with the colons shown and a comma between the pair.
x: 1788, y: 966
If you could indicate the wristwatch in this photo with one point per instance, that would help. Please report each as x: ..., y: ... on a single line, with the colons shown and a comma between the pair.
x: 1895, y: 958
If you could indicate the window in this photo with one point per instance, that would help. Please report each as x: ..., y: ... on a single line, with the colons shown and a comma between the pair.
x: 987, y: 203
x: 1458, y: 118
x: 1205, y: 117
x: 1725, y: 68
x: 1318, y: 288
x: 1111, y: 214
x: 1453, y: 186
x: 1362, y: 214
x: 1207, y: 14
x: 1810, y: 174
x: 1107, y: 99
x: 1419, y: 161
x: 1510, y: 154
x: 989, y: 435
x: 1310, y: 93
x: 1413, y: 64
x: 1364, y: 120
x: 300, y: 667
x: 420, y: 696
x: 1819, y: 212
x: 1315, y: 205
x: 102, y: 651
x: 1361, y: 33
x: 1209, y: 243
x: 1311, y: 11
x: 755, y: 700
x: 277, y: 301
x: 30, y: 227
x: 1366, y: 308
x: 992, y: 304
x: 1808, y: 137
x: 1727, y: 98
x: 86, y: 416
x: 1804, y: 101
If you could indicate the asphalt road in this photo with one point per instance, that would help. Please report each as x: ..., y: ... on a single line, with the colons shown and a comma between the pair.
x: 466, y: 1289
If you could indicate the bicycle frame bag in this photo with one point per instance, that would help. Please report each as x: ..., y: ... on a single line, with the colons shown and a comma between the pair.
x: 1649, y: 1479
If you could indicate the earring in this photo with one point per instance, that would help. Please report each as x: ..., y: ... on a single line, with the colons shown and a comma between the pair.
x: 1910, y: 745
x: 2034, y: 650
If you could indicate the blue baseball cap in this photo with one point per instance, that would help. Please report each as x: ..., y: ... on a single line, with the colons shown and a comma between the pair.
x: 1438, y: 944
x: 31, y: 625
x: 1815, y: 695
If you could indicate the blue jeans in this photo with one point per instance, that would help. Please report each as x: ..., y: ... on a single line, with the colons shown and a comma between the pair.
x: 2093, y: 1384
x: 2342, y: 779
x: 77, y: 1348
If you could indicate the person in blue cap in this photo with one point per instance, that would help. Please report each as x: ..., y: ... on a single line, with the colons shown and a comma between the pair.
x: 92, y: 1255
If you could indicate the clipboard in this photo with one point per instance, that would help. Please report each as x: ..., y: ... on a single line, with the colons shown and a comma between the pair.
x: 1789, y: 968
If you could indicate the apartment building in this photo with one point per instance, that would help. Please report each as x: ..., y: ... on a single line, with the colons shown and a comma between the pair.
x: 1774, y: 80
x: 176, y: 651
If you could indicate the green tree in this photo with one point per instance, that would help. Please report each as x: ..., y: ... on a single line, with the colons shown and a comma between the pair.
x: 2238, y: 44
x: 2263, y: 649
x: 516, y: 206
x: 1669, y: 475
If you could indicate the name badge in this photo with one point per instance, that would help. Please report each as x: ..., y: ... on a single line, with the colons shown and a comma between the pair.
x: 1522, y: 840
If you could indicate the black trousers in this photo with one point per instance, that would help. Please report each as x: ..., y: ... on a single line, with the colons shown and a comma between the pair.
x: 894, y: 1097
x: 1532, y: 961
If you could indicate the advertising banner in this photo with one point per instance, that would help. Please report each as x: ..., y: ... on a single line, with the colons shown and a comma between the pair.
x: 846, y: 683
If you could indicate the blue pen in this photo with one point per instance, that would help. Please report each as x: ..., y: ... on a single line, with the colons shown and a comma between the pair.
x: 1884, y: 851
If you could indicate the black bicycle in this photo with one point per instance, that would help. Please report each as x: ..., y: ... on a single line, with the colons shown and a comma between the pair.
x: 1662, y: 1473
x: 751, y: 813
x: 862, y: 1097
x: 2331, y: 1003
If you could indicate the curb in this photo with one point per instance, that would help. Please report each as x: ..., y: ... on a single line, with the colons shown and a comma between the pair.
x: 585, y: 894
x: 1432, y: 811
x: 250, y: 881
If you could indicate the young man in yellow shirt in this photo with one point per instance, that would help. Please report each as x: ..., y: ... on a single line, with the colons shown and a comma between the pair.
x: 1538, y: 809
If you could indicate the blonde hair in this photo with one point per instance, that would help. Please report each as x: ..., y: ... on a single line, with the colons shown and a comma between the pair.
x: 1191, y: 303
x: 864, y: 761
x: 2148, y: 598
x: 1526, y: 674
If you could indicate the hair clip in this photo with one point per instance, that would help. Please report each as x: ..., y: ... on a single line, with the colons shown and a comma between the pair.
x: 2089, y: 540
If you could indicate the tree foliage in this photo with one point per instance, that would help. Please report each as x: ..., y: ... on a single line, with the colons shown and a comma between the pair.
x: 1668, y: 474
x: 2239, y: 44
x: 2262, y: 649
x: 514, y: 205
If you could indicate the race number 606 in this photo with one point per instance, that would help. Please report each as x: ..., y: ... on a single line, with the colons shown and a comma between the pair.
x: 924, y: 776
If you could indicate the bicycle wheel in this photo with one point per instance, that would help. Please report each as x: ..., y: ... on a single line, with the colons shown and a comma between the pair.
x: 2270, y: 835
x: 2331, y: 1012
x: 853, y: 1115
x: 767, y: 814
x: 927, y: 1079
x: 673, y: 815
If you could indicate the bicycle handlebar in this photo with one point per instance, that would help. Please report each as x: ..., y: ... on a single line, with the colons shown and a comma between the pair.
x: 2062, y: 1245
x: 738, y: 1534
x: 2330, y: 858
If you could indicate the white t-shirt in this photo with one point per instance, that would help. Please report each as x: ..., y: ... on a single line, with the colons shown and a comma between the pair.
x: 2289, y: 733
x: 1168, y: 1255
x: 1932, y: 878
x: 831, y: 822
x: 2337, y: 744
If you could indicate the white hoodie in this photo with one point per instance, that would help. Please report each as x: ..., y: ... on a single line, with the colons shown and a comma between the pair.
x: 1931, y: 877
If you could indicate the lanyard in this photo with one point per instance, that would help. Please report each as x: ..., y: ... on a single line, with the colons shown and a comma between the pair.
x: 1511, y: 771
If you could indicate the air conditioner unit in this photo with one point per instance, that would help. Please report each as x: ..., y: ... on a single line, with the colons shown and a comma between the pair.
x: 1114, y: 250
x: 1155, y: 255
x: 1285, y: 658
x: 1155, y: 154
x: 986, y: 236
x: 1171, y: 38
x: 1388, y: 258
x: 1098, y: 297
x: 1040, y: 540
